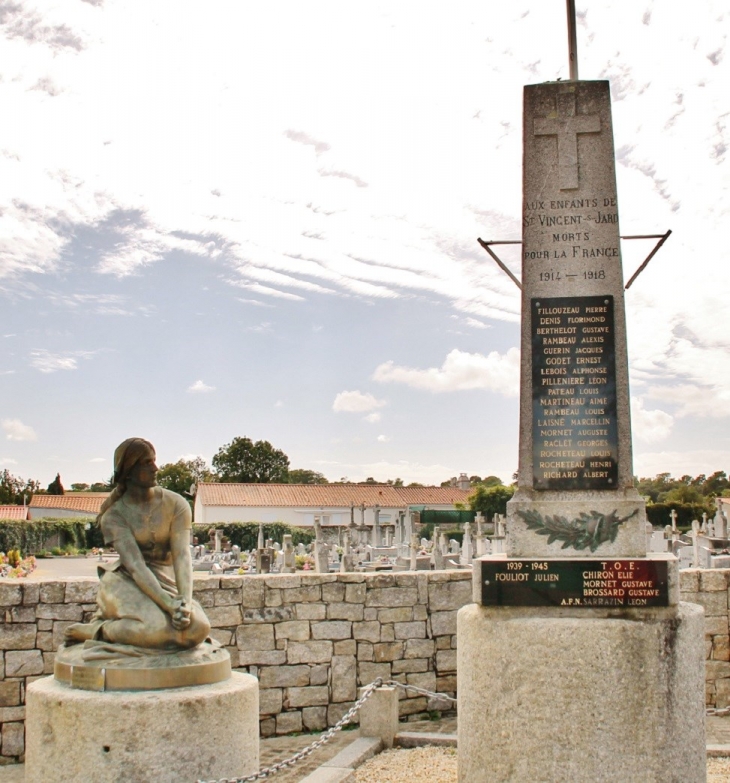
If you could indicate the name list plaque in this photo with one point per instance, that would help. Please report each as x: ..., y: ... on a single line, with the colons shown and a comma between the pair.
x: 580, y: 583
x: 574, y: 421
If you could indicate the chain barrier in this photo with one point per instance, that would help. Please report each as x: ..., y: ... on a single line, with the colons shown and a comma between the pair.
x: 350, y: 714
x: 324, y: 738
x: 717, y: 713
x: 422, y: 691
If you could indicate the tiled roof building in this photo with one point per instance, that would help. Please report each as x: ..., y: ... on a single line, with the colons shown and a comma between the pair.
x: 297, y: 504
x: 14, y: 512
x: 72, y: 504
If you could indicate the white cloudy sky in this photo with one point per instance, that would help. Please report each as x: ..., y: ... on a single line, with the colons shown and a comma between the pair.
x: 260, y: 219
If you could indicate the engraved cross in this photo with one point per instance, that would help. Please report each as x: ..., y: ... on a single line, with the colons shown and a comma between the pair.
x: 566, y: 126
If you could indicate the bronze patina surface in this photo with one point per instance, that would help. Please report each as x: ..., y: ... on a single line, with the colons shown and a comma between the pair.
x: 96, y: 666
x: 147, y: 632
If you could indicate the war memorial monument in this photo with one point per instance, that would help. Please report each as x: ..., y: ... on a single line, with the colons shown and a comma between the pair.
x: 577, y: 661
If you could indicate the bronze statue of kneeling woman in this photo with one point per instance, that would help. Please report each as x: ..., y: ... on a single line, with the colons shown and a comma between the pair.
x: 145, y: 598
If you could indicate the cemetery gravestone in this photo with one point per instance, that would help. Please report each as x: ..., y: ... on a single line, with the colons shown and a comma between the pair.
x: 289, y: 566
x: 574, y: 597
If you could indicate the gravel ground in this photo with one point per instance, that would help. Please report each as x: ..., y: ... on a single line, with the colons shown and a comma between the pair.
x: 438, y: 765
x: 434, y: 765
x: 718, y: 770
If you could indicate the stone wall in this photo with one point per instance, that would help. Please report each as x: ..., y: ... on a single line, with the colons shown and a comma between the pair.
x: 310, y: 639
x: 709, y: 587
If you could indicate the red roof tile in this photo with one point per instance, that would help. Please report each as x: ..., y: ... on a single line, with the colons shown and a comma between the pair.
x: 88, y: 502
x: 14, y: 512
x: 327, y: 495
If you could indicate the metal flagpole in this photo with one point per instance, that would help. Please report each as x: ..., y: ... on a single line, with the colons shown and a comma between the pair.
x: 572, y: 42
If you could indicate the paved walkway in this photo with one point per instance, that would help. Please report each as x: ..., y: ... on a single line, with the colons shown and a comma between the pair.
x: 717, y: 731
x: 276, y: 749
x: 65, y: 567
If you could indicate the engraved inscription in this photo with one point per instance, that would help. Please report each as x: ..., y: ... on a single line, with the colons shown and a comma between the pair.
x: 574, y: 583
x: 574, y: 428
x: 566, y: 126
x: 572, y: 231
x: 88, y: 678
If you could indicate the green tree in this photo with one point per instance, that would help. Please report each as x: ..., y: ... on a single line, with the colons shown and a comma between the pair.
x: 684, y: 494
x: 656, y: 488
x: 715, y: 484
x: 301, y: 476
x: 181, y: 475
x: 56, y: 487
x: 490, y: 500
x: 492, y: 481
x: 246, y: 462
x: 100, y: 486
x: 14, y: 489
x: 79, y: 487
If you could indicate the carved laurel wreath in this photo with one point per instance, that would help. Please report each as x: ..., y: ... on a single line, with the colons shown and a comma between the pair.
x: 588, y: 531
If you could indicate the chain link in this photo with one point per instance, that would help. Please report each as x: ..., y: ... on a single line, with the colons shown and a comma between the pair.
x: 717, y: 713
x: 422, y: 691
x: 350, y: 714
x: 324, y: 738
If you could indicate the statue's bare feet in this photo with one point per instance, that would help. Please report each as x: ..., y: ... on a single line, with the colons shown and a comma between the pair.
x: 80, y: 632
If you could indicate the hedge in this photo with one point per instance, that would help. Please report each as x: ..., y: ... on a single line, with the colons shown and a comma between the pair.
x: 30, y: 536
x: 246, y: 534
x: 659, y: 513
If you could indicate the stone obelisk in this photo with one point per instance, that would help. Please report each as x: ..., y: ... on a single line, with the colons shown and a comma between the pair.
x: 577, y: 660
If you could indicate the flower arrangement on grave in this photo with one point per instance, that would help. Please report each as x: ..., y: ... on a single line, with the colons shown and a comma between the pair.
x: 303, y: 562
x: 14, y: 566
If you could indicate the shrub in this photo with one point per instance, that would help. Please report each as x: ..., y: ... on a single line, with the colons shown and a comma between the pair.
x: 245, y: 534
x: 30, y: 536
x: 658, y: 513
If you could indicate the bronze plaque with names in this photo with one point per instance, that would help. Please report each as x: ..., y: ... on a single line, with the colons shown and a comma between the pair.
x: 575, y: 582
x: 574, y: 421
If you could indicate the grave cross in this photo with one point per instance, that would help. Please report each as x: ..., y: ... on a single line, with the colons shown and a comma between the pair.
x: 673, y: 517
x: 695, y: 544
x: 566, y: 126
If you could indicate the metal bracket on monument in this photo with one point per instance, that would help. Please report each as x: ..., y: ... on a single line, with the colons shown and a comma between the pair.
x: 502, y: 265
x: 661, y: 237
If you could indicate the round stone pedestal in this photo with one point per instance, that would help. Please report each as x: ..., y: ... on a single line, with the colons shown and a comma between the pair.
x: 547, y: 696
x: 181, y: 734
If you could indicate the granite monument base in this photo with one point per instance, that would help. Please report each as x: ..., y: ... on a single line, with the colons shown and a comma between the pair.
x: 603, y: 695
x: 202, y: 732
x: 623, y: 511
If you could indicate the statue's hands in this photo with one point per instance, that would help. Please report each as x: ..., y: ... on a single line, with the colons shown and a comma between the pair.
x: 181, y: 614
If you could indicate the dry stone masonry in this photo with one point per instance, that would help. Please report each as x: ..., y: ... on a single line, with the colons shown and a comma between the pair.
x: 311, y: 639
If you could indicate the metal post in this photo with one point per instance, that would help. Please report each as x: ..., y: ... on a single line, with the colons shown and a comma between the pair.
x: 572, y: 42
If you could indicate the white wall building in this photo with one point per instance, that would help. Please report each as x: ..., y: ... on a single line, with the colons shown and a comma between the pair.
x: 72, y: 504
x: 334, y: 504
